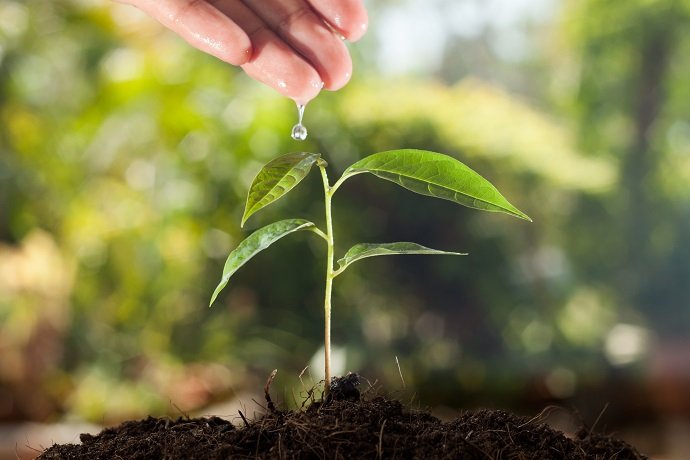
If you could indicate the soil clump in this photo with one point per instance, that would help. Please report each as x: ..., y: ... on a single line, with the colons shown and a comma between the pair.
x: 344, y: 426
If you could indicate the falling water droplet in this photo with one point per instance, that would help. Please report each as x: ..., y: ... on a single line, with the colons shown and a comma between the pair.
x: 299, y: 132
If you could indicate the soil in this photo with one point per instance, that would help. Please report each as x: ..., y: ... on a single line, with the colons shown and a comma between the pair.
x: 345, y: 426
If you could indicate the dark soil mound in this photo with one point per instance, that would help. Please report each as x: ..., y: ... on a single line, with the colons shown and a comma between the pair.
x: 344, y: 427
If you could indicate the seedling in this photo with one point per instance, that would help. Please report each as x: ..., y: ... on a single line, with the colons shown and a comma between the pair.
x: 427, y: 173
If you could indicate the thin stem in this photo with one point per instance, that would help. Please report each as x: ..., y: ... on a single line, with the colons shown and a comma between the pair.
x: 319, y: 232
x: 328, y: 195
x: 338, y: 271
x: 342, y: 179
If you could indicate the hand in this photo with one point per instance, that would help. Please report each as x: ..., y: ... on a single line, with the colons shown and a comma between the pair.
x: 293, y: 46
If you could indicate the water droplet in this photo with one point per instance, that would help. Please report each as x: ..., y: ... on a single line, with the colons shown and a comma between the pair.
x: 299, y: 132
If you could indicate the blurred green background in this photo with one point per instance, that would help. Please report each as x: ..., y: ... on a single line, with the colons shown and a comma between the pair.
x: 125, y: 156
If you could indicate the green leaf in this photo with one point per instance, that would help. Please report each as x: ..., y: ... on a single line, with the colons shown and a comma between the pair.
x: 364, y: 250
x: 255, y: 243
x: 437, y: 175
x: 276, y: 178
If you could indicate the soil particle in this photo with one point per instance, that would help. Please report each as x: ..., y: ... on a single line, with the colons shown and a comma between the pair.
x: 345, y: 426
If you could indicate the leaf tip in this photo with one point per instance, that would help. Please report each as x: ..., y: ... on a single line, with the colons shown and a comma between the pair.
x: 245, y: 217
x: 524, y: 216
x: 517, y: 213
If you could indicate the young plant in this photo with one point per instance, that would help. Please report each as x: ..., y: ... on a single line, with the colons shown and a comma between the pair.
x: 428, y: 173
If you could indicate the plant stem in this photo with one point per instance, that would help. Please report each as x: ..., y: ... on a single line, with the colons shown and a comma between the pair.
x: 328, y: 195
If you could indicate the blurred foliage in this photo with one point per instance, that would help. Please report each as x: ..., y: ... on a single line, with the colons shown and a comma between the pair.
x: 125, y: 157
x: 632, y: 104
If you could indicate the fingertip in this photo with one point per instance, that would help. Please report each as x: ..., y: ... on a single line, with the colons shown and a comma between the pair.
x: 246, y: 54
x: 345, y: 80
x: 348, y: 17
x: 204, y: 27
x: 331, y: 59
x: 278, y: 67
x: 240, y: 52
x: 234, y: 47
x: 340, y: 79
x: 321, y: 47
x: 308, y: 92
x: 356, y: 26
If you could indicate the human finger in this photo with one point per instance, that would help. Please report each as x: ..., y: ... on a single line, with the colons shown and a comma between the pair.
x: 300, y: 27
x: 348, y: 17
x: 273, y: 62
x: 202, y: 25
